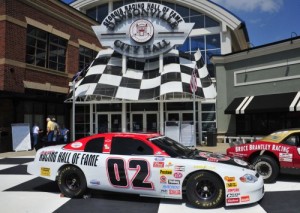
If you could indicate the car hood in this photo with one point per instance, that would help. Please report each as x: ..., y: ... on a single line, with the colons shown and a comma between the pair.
x: 219, y: 158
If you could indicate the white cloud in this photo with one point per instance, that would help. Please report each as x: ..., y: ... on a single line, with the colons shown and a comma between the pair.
x: 251, y: 5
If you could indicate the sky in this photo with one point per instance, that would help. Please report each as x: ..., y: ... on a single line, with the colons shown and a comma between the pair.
x: 267, y: 21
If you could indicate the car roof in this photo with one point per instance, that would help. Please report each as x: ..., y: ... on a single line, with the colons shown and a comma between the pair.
x: 278, y: 136
x: 79, y: 144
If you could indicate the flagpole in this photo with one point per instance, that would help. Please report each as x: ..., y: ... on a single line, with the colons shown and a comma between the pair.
x: 73, y: 110
x: 194, y: 117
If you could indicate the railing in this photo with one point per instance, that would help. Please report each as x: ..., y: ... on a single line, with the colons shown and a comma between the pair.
x: 233, y: 140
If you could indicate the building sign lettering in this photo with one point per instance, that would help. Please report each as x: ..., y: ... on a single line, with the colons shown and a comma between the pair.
x: 143, y: 30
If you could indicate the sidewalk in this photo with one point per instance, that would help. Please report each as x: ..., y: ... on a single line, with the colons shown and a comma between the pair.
x: 220, y: 148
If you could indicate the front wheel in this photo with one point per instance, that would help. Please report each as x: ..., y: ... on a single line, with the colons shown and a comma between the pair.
x: 72, y: 182
x: 267, y: 167
x: 205, y: 190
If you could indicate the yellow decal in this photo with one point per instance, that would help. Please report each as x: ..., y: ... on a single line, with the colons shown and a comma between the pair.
x: 166, y: 171
x: 229, y: 179
x: 45, y: 171
x: 231, y: 184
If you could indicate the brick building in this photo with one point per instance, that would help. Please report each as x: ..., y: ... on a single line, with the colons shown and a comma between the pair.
x: 42, y: 45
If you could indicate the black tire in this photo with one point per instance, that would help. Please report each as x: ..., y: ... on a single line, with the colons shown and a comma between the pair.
x: 267, y: 167
x: 71, y: 182
x: 205, y: 190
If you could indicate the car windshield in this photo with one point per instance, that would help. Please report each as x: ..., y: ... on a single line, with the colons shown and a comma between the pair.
x: 171, y: 147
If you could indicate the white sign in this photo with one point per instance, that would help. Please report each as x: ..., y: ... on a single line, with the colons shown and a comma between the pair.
x: 143, y: 30
x: 21, y: 137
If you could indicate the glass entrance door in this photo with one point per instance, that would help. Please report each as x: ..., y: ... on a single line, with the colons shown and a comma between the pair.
x: 109, y: 122
x: 173, y: 117
x: 116, y: 123
x: 137, y: 123
x: 144, y: 122
x: 102, y: 123
x: 151, y: 122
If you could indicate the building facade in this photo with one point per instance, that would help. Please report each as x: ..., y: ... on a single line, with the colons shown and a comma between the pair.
x: 216, y: 31
x: 258, y: 89
x: 42, y: 45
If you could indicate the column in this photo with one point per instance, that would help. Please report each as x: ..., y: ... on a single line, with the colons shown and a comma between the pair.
x: 124, y: 121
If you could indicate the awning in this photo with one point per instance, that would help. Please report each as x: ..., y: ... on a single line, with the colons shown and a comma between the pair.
x: 284, y: 102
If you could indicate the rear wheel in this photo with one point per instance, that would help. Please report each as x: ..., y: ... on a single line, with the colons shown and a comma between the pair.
x: 205, y: 190
x: 267, y: 167
x: 72, y: 182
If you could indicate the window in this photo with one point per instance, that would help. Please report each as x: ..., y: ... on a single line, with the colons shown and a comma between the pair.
x: 95, y: 145
x: 129, y: 146
x: 98, y: 13
x: 44, y: 49
x: 86, y: 56
x: 292, y: 140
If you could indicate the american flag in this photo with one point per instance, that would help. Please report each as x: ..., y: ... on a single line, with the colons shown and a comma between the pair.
x: 193, y: 82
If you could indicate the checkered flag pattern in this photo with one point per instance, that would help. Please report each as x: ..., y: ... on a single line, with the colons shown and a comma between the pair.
x: 143, y: 79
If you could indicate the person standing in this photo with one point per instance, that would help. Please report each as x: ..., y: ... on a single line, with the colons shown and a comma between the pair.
x: 64, y: 133
x: 56, y: 130
x: 50, y: 130
x: 35, y: 134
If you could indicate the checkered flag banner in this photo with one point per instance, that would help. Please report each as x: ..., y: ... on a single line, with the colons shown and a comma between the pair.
x: 142, y: 79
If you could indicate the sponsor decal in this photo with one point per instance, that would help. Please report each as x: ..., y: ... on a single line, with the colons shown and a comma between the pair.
x: 229, y: 179
x: 106, y: 147
x: 159, y: 159
x: 175, y: 187
x: 174, y: 192
x: 166, y: 171
x: 231, y: 184
x: 177, y: 175
x: 95, y: 182
x: 240, y: 162
x: 70, y: 158
x: 48, y: 156
x: 245, y: 198
x: 232, y: 200
x: 286, y: 157
x: 179, y: 168
x: 158, y: 164
x: 169, y: 164
x: 163, y: 179
x: 233, y: 190
x: 176, y: 182
x: 76, y: 145
x: 45, y: 171
x: 214, y: 157
x: 205, y: 167
x: 164, y: 191
x: 232, y: 195
x: 157, y: 153
x: 272, y: 147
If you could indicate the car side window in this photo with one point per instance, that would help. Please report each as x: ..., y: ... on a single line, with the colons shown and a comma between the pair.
x: 292, y: 140
x: 129, y: 146
x: 95, y: 145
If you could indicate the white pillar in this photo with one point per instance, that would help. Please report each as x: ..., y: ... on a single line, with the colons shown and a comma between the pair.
x: 124, y: 64
x: 161, y: 118
x: 91, y: 119
x: 124, y: 121
x: 161, y: 63
x: 200, y: 121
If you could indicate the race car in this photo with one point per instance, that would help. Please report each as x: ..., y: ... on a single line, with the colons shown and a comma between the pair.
x: 276, y: 153
x: 149, y: 165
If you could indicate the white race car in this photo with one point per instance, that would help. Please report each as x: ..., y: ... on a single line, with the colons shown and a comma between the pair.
x: 149, y: 165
